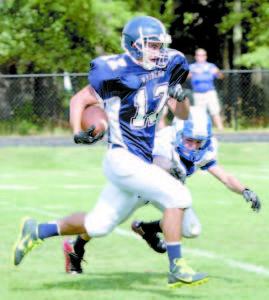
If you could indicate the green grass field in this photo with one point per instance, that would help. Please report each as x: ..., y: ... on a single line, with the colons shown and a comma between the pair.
x: 47, y: 183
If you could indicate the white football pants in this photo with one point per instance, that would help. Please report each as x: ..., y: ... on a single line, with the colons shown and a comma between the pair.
x: 131, y: 181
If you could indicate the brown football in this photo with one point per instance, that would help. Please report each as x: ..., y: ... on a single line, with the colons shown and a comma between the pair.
x: 94, y: 115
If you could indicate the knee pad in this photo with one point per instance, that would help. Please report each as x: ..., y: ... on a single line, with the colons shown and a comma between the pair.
x: 191, y: 232
x: 97, y: 226
x: 191, y: 226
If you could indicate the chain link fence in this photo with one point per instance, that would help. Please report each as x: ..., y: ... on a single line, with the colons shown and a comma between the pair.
x: 244, y: 98
x: 31, y: 104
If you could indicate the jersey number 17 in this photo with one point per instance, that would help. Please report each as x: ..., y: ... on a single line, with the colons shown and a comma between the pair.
x: 141, y: 118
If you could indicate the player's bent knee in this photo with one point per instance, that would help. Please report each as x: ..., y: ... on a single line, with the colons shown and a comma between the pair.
x: 192, y: 233
x: 185, y: 198
x: 97, y: 226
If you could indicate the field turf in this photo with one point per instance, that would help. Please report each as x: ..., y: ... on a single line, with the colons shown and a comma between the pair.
x: 47, y: 183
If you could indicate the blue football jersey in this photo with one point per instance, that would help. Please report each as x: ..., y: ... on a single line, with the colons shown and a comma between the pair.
x: 134, y: 98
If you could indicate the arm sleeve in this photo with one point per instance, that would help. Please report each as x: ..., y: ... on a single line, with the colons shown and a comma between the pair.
x: 103, y: 79
x: 179, y: 70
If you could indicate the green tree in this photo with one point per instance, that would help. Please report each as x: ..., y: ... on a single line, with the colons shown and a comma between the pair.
x: 52, y: 36
x: 56, y: 35
x: 254, y: 19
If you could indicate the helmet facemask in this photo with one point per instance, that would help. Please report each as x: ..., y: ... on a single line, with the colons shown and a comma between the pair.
x: 143, y: 53
x: 153, y: 58
x: 193, y: 136
x: 192, y: 154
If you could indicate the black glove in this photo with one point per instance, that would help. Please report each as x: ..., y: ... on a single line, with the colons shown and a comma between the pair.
x: 178, y: 174
x: 177, y: 93
x: 251, y: 196
x: 86, y: 137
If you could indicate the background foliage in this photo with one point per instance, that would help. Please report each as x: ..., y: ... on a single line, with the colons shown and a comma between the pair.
x: 55, y: 35
x: 52, y: 36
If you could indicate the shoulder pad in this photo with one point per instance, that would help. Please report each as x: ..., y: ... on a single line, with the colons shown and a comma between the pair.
x: 107, y: 67
x: 173, y: 52
x: 107, y: 73
x: 178, y: 67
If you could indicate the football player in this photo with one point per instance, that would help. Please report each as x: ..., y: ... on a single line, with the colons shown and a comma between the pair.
x: 134, y: 88
x: 181, y: 150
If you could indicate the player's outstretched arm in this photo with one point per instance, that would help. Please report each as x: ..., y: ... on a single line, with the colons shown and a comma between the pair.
x: 236, y: 186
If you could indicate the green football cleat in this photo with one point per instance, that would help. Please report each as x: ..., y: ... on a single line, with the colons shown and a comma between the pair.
x: 183, y: 275
x: 27, y: 241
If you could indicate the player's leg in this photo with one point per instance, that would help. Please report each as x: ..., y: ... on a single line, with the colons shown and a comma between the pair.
x: 74, y: 250
x: 105, y: 216
x: 149, y: 232
x: 151, y: 182
x: 33, y: 233
x: 191, y: 228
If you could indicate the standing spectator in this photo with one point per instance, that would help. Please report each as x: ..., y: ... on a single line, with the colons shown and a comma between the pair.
x: 202, y: 75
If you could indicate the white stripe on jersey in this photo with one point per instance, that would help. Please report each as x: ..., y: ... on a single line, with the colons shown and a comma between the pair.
x: 112, y: 109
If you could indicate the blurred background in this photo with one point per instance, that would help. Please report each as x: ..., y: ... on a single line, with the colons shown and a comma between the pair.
x: 46, y: 47
x: 45, y: 50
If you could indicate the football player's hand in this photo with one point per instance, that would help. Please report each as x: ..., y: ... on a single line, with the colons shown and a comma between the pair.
x: 86, y: 137
x: 177, y: 93
x: 251, y: 196
x: 178, y: 174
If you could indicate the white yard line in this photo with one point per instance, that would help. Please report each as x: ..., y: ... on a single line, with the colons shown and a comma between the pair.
x: 201, y: 253
x: 233, y: 263
x: 80, y: 186
x: 67, y: 173
x: 17, y: 187
x: 70, y: 186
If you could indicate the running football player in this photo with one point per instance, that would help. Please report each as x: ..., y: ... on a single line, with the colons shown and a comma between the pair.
x: 134, y: 88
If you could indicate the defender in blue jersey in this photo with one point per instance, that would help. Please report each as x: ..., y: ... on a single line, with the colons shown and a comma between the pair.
x: 134, y: 88
x: 182, y: 149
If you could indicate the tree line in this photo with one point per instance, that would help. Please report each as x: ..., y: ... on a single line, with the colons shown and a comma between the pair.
x: 53, y: 36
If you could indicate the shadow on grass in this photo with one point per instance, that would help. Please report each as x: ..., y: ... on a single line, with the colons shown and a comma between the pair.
x: 227, y: 279
x: 124, y: 281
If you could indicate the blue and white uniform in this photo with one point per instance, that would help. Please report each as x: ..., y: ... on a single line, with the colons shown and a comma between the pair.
x: 165, y: 147
x: 134, y: 99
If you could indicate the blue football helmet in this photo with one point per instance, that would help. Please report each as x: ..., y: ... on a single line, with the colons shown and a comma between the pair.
x: 136, y: 38
x: 198, y: 127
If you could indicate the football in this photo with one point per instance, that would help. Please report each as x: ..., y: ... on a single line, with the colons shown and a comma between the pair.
x: 94, y: 115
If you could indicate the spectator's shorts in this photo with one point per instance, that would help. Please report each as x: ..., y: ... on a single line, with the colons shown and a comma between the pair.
x: 208, y: 101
